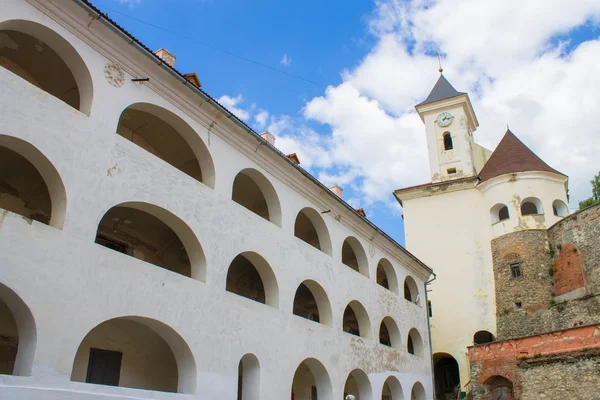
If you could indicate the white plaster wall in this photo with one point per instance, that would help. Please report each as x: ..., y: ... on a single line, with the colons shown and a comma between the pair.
x: 72, y: 285
x: 452, y: 232
x: 512, y: 189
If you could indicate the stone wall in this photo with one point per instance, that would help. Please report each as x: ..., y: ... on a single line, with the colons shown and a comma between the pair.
x: 560, y: 285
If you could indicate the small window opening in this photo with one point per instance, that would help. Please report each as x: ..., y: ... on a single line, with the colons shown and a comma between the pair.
x: 482, y: 337
x: 503, y: 214
x: 429, y: 308
x: 407, y: 293
x: 410, y: 346
x: 515, y: 270
x: 529, y: 208
x: 448, y: 141
x: 451, y: 171
x: 104, y: 367
x: 518, y: 305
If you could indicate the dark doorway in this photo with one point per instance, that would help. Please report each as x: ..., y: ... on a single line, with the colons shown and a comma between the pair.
x: 446, y: 374
x: 104, y: 367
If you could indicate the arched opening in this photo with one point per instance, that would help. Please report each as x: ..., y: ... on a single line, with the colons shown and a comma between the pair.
x: 418, y: 392
x: 311, y: 302
x: 169, y: 138
x: 249, y: 378
x: 499, y: 213
x: 389, y: 334
x: 411, y: 291
x: 18, y: 335
x: 392, y: 389
x: 559, y: 208
x: 45, y: 59
x: 354, y: 256
x: 446, y: 376
x: 250, y: 276
x: 356, y: 320
x: 448, y: 145
x: 531, y: 206
x: 358, y: 385
x: 253, y: 190
x: 482, y: 337
x: 499, y: 388
x: 29, y: 183
x: 152, y: 234
x: 414, y: 343
x: 135, y: 352
x: 311, y: 381
x: 311, y: 228
x: 386, y: 275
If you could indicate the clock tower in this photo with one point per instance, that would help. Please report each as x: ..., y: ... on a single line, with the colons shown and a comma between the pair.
x: 450, y: 121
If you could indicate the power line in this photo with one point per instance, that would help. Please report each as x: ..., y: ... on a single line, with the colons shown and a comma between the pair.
x: 213, y: 47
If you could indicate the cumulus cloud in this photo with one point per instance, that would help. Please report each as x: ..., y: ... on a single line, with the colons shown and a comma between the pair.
x: 261, y: 119
x: 233, y: 104
x: 285, y: 61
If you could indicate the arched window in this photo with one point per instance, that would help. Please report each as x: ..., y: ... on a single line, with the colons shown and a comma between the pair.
x: 482, y: 337
x: 152, y: 234
x: 253, y: 190
x: 448, y: 141
x: 531, y: 206
x: 392, y: 389
x: 29, y: 183
x: 311, y: 381
x: 311, y: 228
x: 386, y: 275
x: 499, y: 213
x: 249, y: 378
x: 249, y: 275
x: 169, y: 138
x: 356, y: 320
x: 136, y: 352
x: 45, y: 59
x: 418, y: 392
x: 446, y: 374
x: 559, y: 208
x: 17, y: 333
x: 389, y: 335
x: 414, y: 343
x: 411, y: 291
x: 358, y: 385
x: 311, y: 302
x: 354, y: 256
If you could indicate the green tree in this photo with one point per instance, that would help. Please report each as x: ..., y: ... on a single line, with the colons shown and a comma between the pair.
x: 595, y: 193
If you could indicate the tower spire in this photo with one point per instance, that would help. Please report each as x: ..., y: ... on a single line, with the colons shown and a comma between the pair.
x: 439, y: 62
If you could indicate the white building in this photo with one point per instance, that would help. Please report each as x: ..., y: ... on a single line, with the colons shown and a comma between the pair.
x: 152, y: 246
x: 474, y: 196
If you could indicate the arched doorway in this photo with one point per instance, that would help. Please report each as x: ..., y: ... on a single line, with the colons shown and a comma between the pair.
x: 29, y: 183
x: 135, y: 352
x: 249, y: 378
x: 252, y: 190
x: 446, y: 375
x: 169, y: 138
x: 418, y: 392
x: 392, y: 390
x: 42, y: 57
x: 311, y: 381
x: 311, y: 302
x: 499, y: 388
x: 358, y: 385
x: 18, y: 334
x: 310, y: 228
x: 152, y: 234
x: 250, y: 276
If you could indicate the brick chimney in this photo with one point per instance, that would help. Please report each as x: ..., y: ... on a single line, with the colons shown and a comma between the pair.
x: 167, y: 57
x: 268, y: 137
x: 338, y: 191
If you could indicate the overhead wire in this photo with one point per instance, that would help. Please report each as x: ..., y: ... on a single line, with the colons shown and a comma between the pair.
x: 212, y: 47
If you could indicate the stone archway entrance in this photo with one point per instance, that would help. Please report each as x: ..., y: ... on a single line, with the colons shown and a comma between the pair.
x: 447, y: 377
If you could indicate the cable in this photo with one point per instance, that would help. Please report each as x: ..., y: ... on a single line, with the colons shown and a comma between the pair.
x: 213, y: 47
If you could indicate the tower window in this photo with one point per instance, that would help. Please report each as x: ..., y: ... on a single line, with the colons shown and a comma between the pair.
x: 448, y: 141
x: 515, y: 270
x: 503, y: 213
x: 451, y: 171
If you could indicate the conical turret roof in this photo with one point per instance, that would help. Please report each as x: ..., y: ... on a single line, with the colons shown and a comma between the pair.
x: 511, y: 155
x: 441, y: 91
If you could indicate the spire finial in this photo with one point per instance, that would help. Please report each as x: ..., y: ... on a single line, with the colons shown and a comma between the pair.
x: 439, y: 62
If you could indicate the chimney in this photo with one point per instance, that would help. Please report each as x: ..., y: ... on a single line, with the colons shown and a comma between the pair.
x: 193, y: 79
x: 294, y: 158
x: 167, y: 57
x: 361, y: 212
x: 336, y: 190
x: 268, y: 137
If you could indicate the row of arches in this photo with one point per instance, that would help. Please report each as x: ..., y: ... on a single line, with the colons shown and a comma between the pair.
x: 529, y: 206
x: 143, y: 353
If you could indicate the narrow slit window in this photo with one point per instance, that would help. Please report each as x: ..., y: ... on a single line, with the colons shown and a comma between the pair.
x: 515, y: 270
x: 448, y: 145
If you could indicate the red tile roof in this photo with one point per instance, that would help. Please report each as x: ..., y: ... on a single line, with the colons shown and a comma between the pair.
x: 511, y: 155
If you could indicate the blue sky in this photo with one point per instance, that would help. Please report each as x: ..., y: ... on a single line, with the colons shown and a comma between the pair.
x: 359, y: 67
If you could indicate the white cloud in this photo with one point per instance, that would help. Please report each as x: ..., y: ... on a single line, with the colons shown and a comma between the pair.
x: 233, y: 105
x: 131, y: 3
x: 286, y: 61
x: 261, y: 119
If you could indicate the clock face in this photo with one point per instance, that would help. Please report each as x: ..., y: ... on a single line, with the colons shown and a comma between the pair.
x: 444, y: 119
